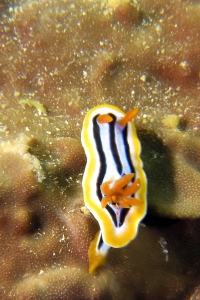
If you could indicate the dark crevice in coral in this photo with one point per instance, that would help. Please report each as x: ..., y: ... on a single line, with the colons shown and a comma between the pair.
x: 183, y: 124
x: 158, y: 166
x: 154, y: 221
x: 35, y: 224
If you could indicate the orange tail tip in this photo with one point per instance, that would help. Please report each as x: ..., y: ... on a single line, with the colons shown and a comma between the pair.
x: 128, y: 116
x: 104, y: 119
x: 96, y: 258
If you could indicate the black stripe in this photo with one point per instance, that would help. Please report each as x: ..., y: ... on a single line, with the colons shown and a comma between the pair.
x: 102, y: 171
x: 123, y: 214
x: 113, y: 145
x: 125, y: 211
x: 112, y: 214
x: 103, y: 166
x: 102, y: 158
x: 100, y: 243
x: 127, y: 148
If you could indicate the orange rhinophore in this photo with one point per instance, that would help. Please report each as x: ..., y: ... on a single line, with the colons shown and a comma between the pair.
x: 104, y: 119
x: 128, y: 116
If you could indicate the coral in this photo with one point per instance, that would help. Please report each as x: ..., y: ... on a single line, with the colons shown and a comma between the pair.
x: 69, y: 56
x: 173, y: 177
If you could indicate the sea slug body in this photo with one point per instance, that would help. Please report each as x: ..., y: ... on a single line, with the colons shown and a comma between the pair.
x: 114, y: 182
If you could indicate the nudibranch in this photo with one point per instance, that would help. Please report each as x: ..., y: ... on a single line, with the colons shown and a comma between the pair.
x: 114, y: 182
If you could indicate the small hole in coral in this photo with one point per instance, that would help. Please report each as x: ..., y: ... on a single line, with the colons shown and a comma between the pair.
x: 182, y: 125
x: 35, y: 223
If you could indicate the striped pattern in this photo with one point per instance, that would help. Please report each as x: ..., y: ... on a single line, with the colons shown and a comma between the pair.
x: 111, y: 142
x: 112, y: 150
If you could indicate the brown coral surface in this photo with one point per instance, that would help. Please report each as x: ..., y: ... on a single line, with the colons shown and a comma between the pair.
x: 58, y: 59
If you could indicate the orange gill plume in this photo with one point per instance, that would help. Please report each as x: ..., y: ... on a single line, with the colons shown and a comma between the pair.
x: 119, y: 193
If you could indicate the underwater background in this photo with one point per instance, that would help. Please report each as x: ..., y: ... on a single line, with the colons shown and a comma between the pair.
x: 58, y: 59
